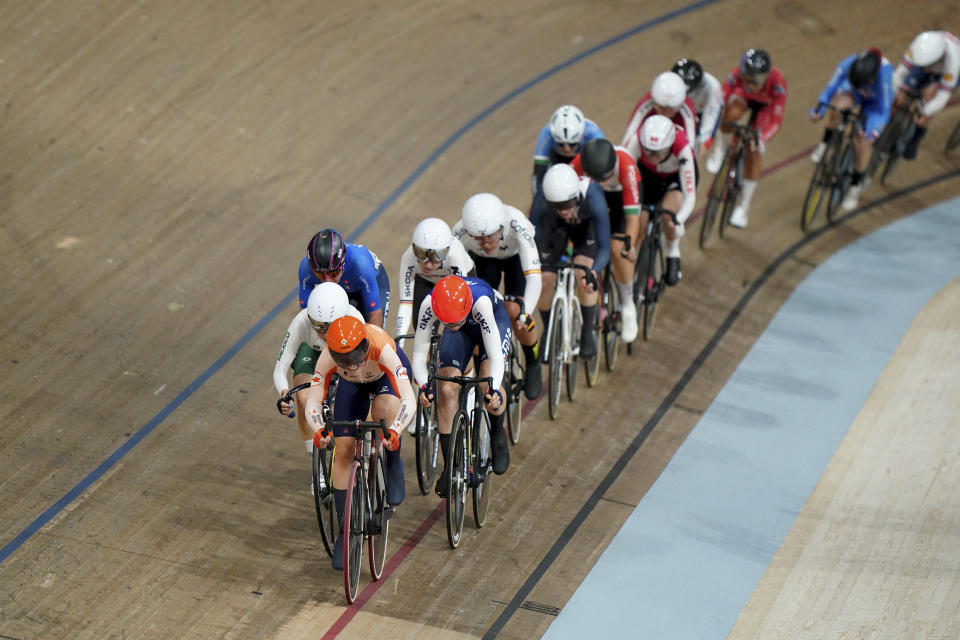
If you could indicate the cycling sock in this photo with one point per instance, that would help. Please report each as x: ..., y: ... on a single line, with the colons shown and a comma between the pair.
x: 531, y: 354
x: 546, y: 323
x: 827, y: 135
x: 626, y: 290
x: 589, y: 315
x: 340, y: 502
x: 857, y: 178
x: 444, y: 445
x: 673, y: 251
x: 749, y: 186
x: 309, y: 445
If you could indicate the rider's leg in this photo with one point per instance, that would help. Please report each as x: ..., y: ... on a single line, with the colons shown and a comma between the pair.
x: 385, y: 407
x: 732, y: 112
x: 500, y: 447
x: 352, y: 402
x: 306, y: 431
x: 588, y: 308
x: 672, y: 200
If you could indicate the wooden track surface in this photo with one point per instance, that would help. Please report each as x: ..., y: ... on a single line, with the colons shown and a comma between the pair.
x: 162, y: 168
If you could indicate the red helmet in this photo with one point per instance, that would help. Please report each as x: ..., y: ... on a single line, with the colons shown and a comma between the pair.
x: 347, y: 341
x: 451, y: 299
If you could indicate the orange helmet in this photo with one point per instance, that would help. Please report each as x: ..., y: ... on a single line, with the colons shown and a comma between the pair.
x: 347, y: 341
x: 451, y: 299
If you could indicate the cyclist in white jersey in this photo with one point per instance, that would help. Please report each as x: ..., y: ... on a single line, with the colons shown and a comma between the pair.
x: 500, y: 240
x: 306, y: 338
x: 706, y: 92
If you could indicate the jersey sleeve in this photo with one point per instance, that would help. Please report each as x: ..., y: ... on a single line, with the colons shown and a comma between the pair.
x: 367, y: 274
x: 601, y: 225
x: 591, y: 131
x: 541, y: 154
x: 317, y: 393
x: 529, y: 259
x: 636, y: 119
x: 687, y: 176
x: 689, y: 116
x: 288, y: 351
x: 305, y: 284
x: 839, y: 74
x: 629, y: 178
x: 490, y: 332
x: 392, y: 367
x: 778, y: 101
x: 461, y: 263
x: 407, y: 276
x: 421, y: 343
x: 712, y: 109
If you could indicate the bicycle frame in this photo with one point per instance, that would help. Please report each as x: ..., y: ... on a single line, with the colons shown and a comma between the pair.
x: 564, y: 294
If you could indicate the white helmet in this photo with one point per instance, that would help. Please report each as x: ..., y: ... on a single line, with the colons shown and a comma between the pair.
x: 561, y: 183
x: 431, y: 240
x: 483, y: 214
x: 668, y: 90
x: 657, y: 133
x: 327, y: 302
x: 567, y: 125
x: 926, y: 49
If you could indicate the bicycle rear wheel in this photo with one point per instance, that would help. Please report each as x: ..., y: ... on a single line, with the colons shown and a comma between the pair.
x: 841, y: 176
x: 814, y: 198
x: 899, y: 129
x: 515, y: 378
x: 458, y: 481
x: 428, y: 443
x: 323, y: 498
x: 481, y: 466
x: 640, y: 283
x: 653, y: 289
x: 714, y: 203
x: 592, y: 365
x: 733, y: 174
x: 379, y: 529
x: 953, y: 141
x: 354, y: 515
x: 572, y: 368
x: 611, y: 321
x: 556, y: 360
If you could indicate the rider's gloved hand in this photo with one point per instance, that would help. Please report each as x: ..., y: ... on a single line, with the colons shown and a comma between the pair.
x: 488, y: 398
x: 526, y: 320
x: 321, y: 438
x: 392, y: 440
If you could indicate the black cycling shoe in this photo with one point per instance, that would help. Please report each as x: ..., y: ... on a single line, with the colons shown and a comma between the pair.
x: 337, y: 559
x: 588, y: 344
x: 501, y: 451
x: 673, y: 271
x: 533, y: 383
x: 442, y: 483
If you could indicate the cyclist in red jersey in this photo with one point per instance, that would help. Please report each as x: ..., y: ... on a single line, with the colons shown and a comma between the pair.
x: 760, y: 87
x: 667, y: 97
x: 615, y: 170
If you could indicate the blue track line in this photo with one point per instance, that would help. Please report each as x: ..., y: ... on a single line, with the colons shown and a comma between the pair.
x: 415, y: 175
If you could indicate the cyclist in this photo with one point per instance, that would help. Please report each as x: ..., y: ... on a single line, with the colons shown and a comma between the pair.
x: 614, y: 169
x: 706, y: 93
x: 500, y: 239
x: 669, y: 176
x: 760, y: 87
x: 667, y: 97
x: 353, y: 266
x: 560, y: 140
x: 863, y: 79
x: 433, y: 253
x: 369, y: 364
x: 571, y: 209
x: 473, y: 317
x: 930, y: 66
x: 306, y: 338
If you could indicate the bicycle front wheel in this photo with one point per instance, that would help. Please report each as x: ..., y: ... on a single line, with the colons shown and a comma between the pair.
x: 715, y: 203
x: 458, y: 480
x: 571, y: 368
x: 515, y: 395
x: 592, y: 365
x: 323, y: 497
x: 611, y: 321
x: 733, y: 171
x: 814, y: 198
x: 379, y: 529
x: 653, y: 289
x: 428, y: 443
x: 354, y: 514
x: 556, y: 360
x: 896, y: 142
x: 482, y: 461
x: 840, y: 179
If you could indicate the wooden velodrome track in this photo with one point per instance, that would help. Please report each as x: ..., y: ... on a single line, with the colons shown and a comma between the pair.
x: 162, y: 167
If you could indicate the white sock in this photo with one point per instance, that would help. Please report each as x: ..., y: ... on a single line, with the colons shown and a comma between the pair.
x: 626, y: 290
x: 724, y: 140
x: 749, y: 186
x: 309, y: 445
x: 673, y: 251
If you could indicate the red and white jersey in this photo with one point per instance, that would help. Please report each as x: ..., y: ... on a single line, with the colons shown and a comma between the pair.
x: 685, y: 117
x: 626, y: 179
x: 679, y: 164
x: 773, y: 95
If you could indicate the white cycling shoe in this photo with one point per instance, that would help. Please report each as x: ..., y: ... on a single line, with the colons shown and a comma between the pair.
x: 628, y: 322
x: 738, y: 218
x: 817, y: 154
x: 715, y: 158
x: 852, y: 197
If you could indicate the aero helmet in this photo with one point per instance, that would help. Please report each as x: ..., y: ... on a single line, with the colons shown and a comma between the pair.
x: 431, y: 240
x: 327, y: 302
x: 561, y: 184
x: 327, y: 251
x: 598, y: 159
x: 657, y: 133
x: 668, y: 90
x: 483, y: 214
x: 755, y: 63
x: 863, y: 72
x: 926, y: 49
x: 451, y: 299
x: 567, y: 125
x: 347, y: 342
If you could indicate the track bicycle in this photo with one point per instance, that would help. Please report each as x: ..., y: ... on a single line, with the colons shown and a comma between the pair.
x: 469, y: 457
x: 561, y: 343
x: 651, y: 282
x: 834, y: 173
x: 612, y: 305
x: 728, y: 182
x: 513, y: 381
x: 893, y: 140
x: 427, y: 426
x: 322, y: 460
x: 366, y: 515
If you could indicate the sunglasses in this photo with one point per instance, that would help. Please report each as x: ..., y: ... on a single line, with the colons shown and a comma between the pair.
x: 320, y: 327
x: 429, y: 255
x: 755, y: 80
x: 568, y: 146
x: 492, y: 237
x: 334, y: 273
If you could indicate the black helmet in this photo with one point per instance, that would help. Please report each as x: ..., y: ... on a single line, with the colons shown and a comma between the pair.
x: 690, y: 71
x: 863, y: 72
x: 326, y: 251
x: 598, y: 159
x: 755, y: 62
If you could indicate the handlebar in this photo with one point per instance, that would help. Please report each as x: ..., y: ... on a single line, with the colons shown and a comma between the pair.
x: 625, y: 238
x: 464, y: 381
x: 746, y: 131
x: 289, y: 396
x: 587, y: 271
x: 359, y: 427
x: 660, y: 211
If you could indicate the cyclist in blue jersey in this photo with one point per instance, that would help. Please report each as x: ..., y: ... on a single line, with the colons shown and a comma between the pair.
x: 864, y: 79
x: 560, y: 140
x: 570, y: 209
x: 473, y: 316
x: 354, y: 267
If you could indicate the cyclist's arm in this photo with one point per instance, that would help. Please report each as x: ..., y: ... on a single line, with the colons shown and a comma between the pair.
x: 392, y: 367
x: 636, y: 119
x: 839, y: 75
x: 689, y: 120
x: 711, y: 111
x: 408, y: 273
x: 529, y: 260
x: 366, y: 274
x: 900, y: 75
x: 688, y: 183
x: 777, y: 103
x: 490, y: 332
x: 940, y: 98
x: 306, y: 281
x: 460, y: 261
x: 421, y: 343
x: 601, y: 226
x: 288, y: 351
x: 884, y: 102
x: 317, y: 393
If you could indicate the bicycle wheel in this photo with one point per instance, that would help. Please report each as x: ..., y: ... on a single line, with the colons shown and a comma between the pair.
x: 814, y: 198
x: 640, y: 282
x: 899, y: 131
x: 354, y: 514
x: 515, y: 377
x: 323, y: 498
x: 482, y: 460
x: 592, y: 365
x: 841, y: 175
x: 653, y: 290
x: 734, y: 180
x: 953, y: 141
x: 611, y: 321
x: 714, y: 201
x: 428, y: 443
x: 379, y: 529
x: 458, y: 481
x: 572, y: 368
x: 556, y: 359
